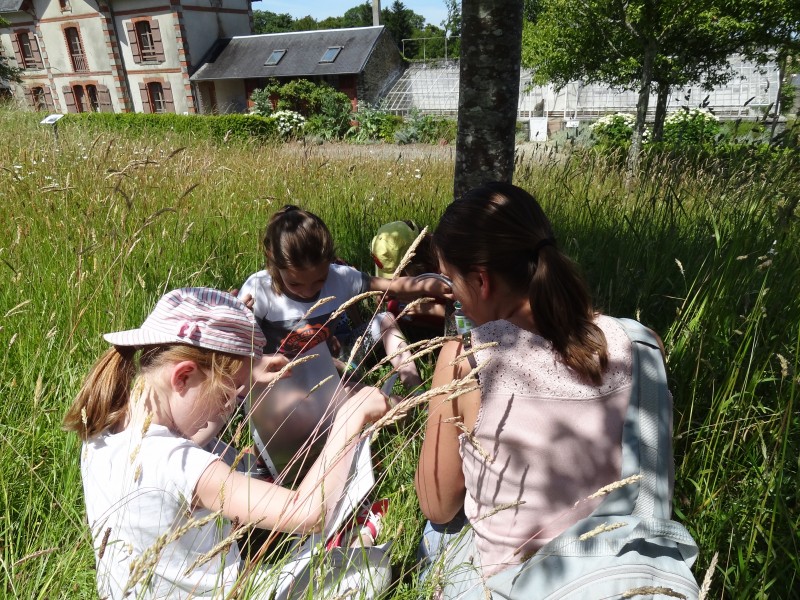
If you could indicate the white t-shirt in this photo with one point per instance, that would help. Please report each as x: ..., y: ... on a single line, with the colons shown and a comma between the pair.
x: 291, y: 422
x: 139, y: 490
x: 283, y: 318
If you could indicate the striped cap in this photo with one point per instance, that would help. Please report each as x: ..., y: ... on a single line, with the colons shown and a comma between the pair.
x: 199, y: 317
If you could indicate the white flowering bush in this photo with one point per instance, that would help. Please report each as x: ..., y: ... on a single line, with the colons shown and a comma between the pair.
x: 290, y: 123
x: 691, y: 127
x: 613, y: 130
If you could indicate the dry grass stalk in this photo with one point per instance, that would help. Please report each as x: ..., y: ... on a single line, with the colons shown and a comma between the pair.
x: 500, y: 508
x: 412, y: 249
x: 140, y: 565
x: 222, y: 547
x: 471, y: 351
x: 33, y: 555
x: 351, y: 302
x: 456, y: 421
x: 600, y: 529
x: 413, y: 304
x: 285, y: 369
x: 429, y: 344
x: 317, y: 304
x: 400, y: 410
x: 652, y: 590
x: 706, y: 586
x: 606, y: 489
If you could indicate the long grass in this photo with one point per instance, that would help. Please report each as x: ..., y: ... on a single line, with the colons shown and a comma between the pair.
x: 95, y: 226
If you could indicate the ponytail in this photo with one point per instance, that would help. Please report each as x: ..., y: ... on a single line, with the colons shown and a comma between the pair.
x: 564, y: 314
x: 102, y: 402
x: 515, y: 242
x: 105, y: 395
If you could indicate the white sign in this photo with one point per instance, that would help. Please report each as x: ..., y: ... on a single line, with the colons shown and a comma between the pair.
x: 50, y: 119
x: 538, y: 129
x: 572, y: 123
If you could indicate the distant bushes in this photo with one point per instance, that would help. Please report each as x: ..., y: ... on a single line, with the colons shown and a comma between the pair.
x: 215, y: 127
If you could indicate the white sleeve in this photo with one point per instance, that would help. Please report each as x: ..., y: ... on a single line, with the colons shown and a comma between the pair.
x: 258, y: 286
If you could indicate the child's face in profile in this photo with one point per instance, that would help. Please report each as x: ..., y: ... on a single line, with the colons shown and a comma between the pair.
x: 306, y: 283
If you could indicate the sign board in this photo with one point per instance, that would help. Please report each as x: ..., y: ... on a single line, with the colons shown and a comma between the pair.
x: 50, y: 119
x: 572, y: 123
x: 538, y: 129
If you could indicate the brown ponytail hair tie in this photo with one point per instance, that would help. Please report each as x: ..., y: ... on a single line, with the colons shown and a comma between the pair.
x: 541, y: 244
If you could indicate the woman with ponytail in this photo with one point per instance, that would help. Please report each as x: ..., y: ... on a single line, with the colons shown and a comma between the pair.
x: 520, y: 453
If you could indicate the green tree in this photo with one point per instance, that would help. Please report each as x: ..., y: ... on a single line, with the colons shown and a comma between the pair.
x: 307, y: 23
x: 265, y: 21
x: 491, y: 35
x: 401, y: 22
x: 359, y: 16
x: 631, y: 44
x: 7, y: 72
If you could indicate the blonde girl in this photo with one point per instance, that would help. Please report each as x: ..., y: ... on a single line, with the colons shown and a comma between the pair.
x: 159, y: 499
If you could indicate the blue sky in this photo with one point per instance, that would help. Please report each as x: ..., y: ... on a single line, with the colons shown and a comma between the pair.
x: 433, y: 10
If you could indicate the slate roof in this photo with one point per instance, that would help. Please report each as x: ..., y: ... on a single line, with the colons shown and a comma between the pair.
x: 243, y: 57
x: 10, y: 5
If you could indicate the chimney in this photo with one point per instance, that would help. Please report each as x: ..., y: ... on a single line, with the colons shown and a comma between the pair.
x: 376, y: 12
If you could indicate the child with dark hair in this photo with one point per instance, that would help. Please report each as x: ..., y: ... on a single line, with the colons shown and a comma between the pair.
x: 294, y: 300
x: 544, y: 428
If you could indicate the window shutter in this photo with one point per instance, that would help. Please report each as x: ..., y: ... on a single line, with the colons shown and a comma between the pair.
x: 37, y: 56
x: 169, y: 103
x: 48, y: 98
x: 104, y: 99
x: 158, y: 45
x: 146, y: 107
x: 133, y: 40
x: 17, y: 51
x: 69, y: 99
x: 29, y: 97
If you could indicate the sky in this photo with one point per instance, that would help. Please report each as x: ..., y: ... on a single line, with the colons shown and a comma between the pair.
x: 433, y: 10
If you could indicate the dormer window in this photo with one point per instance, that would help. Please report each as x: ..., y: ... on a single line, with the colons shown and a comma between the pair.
x: 331, y: 54
x: 275, y: 58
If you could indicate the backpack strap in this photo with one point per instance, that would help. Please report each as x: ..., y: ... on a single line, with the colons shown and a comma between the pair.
x: 647, y: 433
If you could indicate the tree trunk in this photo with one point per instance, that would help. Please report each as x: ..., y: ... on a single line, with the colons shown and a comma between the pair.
x: 491, y: 47
x: 661, y: 112
x: 641, y: 105
x: 778, y: 107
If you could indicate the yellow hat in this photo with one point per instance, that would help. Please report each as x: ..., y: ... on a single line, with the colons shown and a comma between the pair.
x: 390, y: 245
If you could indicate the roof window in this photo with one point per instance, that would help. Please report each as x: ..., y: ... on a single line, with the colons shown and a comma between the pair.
x: 330, y: 54
x: 275, y: 58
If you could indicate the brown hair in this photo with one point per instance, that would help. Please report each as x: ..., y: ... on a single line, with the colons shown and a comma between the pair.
x: 501, y: 227
x: 102, y: 403
x: 296, y: 239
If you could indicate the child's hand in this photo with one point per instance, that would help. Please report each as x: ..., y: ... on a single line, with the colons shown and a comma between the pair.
x: 436, y: 288
x: 268, y: 367
x: 248, y: 300
x: 369, y: 403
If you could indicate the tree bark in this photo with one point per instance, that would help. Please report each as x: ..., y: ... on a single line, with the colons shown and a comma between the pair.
x: 491, y: 47
x: 661, y: 112
x: 642, y: 105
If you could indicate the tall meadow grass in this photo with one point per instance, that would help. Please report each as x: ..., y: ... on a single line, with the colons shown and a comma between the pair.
x: 95, y: 226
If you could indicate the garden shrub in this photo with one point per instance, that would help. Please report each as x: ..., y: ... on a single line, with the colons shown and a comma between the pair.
x: 425, y: 129
x: 216, y: 127
x: 691, y: 127
x: 327, y: 111
x: 290, y: 124
x: 613, y: 131
x: 373, y: 123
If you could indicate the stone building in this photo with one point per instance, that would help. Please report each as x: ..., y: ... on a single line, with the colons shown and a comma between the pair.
x: 114, y: 55
x: 362, y: 62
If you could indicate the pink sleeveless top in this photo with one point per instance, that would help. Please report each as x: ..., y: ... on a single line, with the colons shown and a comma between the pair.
x: 553, y: 439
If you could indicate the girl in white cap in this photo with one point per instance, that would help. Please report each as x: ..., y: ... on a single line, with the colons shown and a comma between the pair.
x: 160, y: 503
